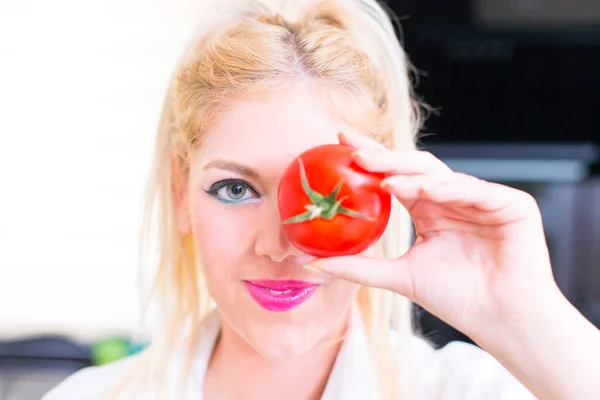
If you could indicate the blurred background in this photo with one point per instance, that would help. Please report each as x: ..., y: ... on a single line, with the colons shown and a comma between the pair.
x: 515, y: 88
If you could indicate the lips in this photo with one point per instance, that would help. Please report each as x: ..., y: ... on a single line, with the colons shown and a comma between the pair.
x: 279, y: 295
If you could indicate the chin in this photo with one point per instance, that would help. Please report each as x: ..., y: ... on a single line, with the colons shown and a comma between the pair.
x: 283, y: 342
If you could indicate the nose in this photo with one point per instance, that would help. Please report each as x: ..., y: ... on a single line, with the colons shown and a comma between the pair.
x: 271, y: 240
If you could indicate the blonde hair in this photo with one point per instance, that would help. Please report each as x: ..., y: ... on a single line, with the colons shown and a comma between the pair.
x: 251, y: 47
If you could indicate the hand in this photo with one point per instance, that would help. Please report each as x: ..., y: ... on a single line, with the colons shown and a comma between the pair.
x: 480, y: 261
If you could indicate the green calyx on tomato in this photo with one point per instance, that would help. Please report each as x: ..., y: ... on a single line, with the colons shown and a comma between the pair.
x: 322, y: 206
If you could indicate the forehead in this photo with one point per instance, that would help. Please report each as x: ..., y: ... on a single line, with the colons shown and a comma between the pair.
x: 271, y: 130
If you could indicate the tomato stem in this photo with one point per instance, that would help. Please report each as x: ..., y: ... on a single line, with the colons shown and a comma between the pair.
x: 322, y: 206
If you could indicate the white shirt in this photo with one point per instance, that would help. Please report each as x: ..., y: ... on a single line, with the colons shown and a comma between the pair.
x: 458, y: 371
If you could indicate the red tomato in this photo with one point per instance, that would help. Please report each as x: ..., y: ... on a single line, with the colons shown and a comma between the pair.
x: 329, y: 206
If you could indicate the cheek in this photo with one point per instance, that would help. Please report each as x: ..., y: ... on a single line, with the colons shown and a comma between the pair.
x: 223, y: 234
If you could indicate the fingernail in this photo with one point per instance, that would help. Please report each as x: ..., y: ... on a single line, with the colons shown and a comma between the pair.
x: 428, y: 187
x: 358, y: 154
x: 367, y: 154
x: 312, y: 268
x: 397, y: 182
x: 386, y: 183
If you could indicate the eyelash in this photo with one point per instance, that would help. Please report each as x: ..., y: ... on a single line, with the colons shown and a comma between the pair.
x: 217, y: 186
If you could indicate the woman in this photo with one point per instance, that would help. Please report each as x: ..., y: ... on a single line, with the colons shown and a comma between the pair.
x: 260, y: 84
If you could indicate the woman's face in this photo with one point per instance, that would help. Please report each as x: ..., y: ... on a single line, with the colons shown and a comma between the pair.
x: 253, y: 273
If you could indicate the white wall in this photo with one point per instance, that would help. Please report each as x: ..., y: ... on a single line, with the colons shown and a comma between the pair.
x: 81, y: 87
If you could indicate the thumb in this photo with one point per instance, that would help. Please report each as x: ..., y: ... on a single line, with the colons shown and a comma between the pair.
x: 368, y: 271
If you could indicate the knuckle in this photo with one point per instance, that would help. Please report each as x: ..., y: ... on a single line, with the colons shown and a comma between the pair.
x: 430, y: 158
x: 427, y: 155
x: 528, y: 200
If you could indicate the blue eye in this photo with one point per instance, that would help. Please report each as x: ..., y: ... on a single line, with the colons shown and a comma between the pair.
x: 233, y: 191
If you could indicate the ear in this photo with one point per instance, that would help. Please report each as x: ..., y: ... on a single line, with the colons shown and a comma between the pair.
x: 182, y: 209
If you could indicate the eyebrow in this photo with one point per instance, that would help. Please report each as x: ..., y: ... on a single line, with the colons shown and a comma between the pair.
x: 232, y: 167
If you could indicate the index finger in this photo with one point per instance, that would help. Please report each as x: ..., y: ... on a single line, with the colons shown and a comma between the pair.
x: 360, y: 142
x: 411, y: 162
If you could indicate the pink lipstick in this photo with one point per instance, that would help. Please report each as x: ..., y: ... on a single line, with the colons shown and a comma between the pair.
x: 274, y: 295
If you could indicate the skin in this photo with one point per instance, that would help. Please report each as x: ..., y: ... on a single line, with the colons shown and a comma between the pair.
x: 295, y: 349
x: 480, y: 263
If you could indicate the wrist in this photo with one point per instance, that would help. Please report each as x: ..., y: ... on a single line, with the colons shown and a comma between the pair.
x: 520, y: 315
x: 516, y: 326
x: 547, y: 351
